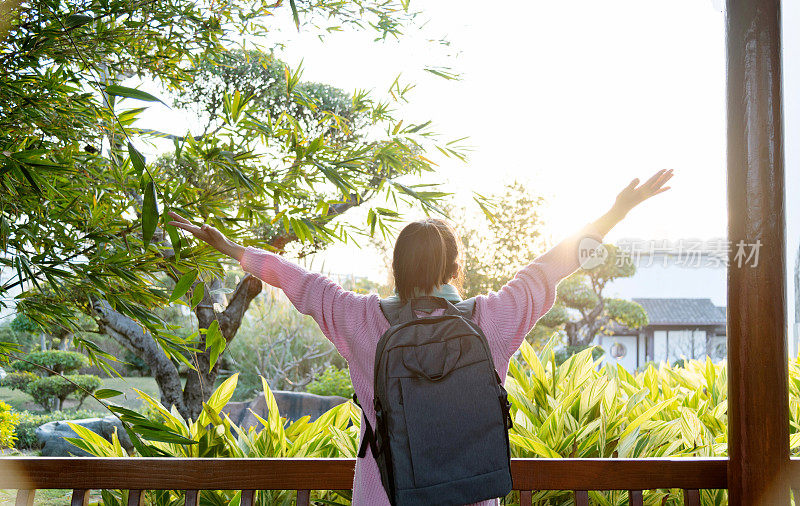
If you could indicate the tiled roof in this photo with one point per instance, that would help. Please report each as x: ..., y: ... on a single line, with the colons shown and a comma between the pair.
x: 682, y: 311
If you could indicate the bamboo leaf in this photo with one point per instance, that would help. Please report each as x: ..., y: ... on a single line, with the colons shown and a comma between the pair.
x: 183, y: 284
x: 295, y: 14
x: 137, y: 159
x: 106, y: 393
x: 214, y: 341
x: 123, y: 91
x: 76, y: 20
x: 150, y: 213
x: 197, y: 296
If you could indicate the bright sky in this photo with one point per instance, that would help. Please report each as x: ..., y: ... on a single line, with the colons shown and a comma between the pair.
x: 575, y: 98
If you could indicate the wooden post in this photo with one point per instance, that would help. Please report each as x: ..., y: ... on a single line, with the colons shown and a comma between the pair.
x: 758, y: 404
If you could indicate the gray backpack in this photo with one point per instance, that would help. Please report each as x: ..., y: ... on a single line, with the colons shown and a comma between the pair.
x: 442, y: 413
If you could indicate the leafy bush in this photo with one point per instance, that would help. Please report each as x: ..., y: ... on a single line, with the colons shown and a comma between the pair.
x: 9, y: 333
x: 30, y: 421
x: 19, y: 380
x: 22, y: 323
x: 577, y: 409
x: 573, y: 409
x: 87, y: 384
x: 60, y: 361
x: 45, y: 389
x: 212, y: 435
x: 8, y: 424
x: 332, y: 381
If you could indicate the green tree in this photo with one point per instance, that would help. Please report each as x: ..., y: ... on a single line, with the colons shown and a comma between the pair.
x: 581, y: 310
x: 495, y: 249
x: 82, y: 212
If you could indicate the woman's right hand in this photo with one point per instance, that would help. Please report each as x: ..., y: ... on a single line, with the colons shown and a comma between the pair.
x: 209, y: 235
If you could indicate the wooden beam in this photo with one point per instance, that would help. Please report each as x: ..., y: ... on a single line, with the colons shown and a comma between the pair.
x: 337, y: 474
x: 758, y: 401
x: 618, y: 474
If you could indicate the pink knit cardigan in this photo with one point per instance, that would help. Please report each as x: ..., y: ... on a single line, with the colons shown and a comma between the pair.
x: 354, y: 323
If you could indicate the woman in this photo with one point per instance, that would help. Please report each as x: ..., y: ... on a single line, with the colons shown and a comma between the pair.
x: 426, y: 259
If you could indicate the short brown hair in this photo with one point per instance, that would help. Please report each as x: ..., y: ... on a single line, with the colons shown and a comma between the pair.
x: 426, y: 255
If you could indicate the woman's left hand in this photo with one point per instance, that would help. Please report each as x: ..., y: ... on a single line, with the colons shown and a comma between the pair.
x: 634, y: 194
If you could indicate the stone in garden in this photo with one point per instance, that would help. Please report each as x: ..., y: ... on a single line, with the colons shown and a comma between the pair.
x: 292, y: 405
x: 51, y: 435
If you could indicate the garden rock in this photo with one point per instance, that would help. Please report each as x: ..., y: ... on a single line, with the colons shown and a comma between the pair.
x: 51, y: 435
x: 292, y: 406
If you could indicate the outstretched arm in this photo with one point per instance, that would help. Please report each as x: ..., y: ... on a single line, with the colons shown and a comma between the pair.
x: 514, y: 309
x: 338, y: 312
x: 630, y: 197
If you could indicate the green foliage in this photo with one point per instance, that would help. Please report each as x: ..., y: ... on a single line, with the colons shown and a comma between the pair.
x: 8, y: 423
x: 627, y: 313
x: 62, y: 362
x: 573, y: 409
x: 87, y: 384
x: 22, y: 323
x: 576, y: 292
x: 280, y: 344
x: 45, y: 389
x: 332, y: 381
x: 261, y: 83
x: 30, y: 421
x: 285, y: 171
x: 275, y: 160
x: 23, y: 340
x: 579, y: 411
x: 19, y: 380
x: 213, y: 435
x: 565, y: 352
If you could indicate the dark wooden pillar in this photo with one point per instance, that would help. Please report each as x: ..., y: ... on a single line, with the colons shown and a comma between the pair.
x: 758, y: 404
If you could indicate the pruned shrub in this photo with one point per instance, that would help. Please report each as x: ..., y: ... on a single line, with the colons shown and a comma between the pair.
x: 19, y: 380
x: 60, y: 361
x: 51, y: 391
x: 44, y: 390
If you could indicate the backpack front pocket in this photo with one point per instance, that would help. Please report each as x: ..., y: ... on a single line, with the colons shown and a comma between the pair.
x: 452, y: 424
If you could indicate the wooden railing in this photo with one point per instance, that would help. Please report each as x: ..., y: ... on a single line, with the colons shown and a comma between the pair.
x: 27, y: 474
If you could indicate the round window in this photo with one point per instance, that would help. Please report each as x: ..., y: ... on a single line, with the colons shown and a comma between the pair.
x: 618, y: 350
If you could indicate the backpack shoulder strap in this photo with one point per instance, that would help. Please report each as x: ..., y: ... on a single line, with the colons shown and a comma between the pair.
x: 391, y: 308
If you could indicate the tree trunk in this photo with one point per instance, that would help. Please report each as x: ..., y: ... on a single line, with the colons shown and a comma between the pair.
x: 199, y: 383
x: 131, y: 335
